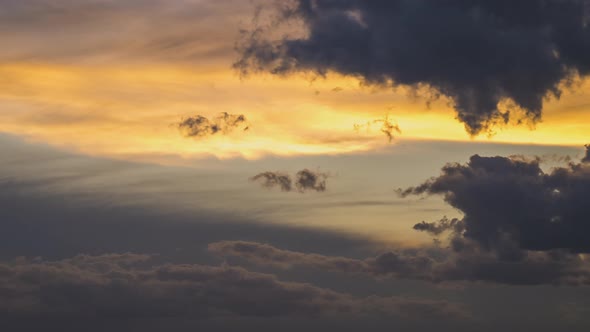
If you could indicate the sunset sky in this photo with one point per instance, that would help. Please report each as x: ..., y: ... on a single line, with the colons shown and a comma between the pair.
x: 288, y: 165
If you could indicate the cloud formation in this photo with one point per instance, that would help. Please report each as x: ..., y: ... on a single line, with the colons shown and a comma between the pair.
x: 305, y: 180
x: 477, y: 53
x: 125, y: 286
x: 224, y: 123
x: 429, y: 264
x: 513, y: 201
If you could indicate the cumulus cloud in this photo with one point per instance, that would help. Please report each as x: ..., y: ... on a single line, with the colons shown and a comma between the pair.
x: 586, y: 158
x: 124, y: 286
x: 305, y: 180
x: 477, y: 53
x: 430, y: 264
x: 224, y: 123
x: 506, y: 200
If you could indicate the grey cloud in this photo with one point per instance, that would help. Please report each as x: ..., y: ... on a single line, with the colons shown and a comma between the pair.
x: 586, y: 158
x: 305, y: 180
x: 477, y: 53
x: 274, y: 179
x: 434, y: 265
x: 224, y: 123
x: 507, y: 200
x: 128, y: 286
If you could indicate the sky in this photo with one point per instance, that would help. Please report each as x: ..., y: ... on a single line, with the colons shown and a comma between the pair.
x: 294, y: 165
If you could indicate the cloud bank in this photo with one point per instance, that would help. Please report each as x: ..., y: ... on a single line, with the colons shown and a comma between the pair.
x: 126, y: 286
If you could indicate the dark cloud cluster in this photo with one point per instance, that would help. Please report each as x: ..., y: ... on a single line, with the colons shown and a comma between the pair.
x: 127, y: 286
x: 507, y: 201
x: 305, y: 180
x: 477, y: 53
x: 387, y: 127
x: 586, y: 158
x: 224, y: 123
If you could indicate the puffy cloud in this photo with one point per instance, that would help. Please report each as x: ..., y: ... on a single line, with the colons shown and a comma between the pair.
x: 124, y: 286
x: 224, y: 123
x: 309, y: 180
x: 305, y: 180
x: 513, y: 201
x: 477, y: 53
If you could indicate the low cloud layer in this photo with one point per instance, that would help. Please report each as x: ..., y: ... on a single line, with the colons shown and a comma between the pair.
x: 477, y: 53
x: 305, y: 180
x: 125, y: 286
x: 429, y: 264
x: 223, y: 124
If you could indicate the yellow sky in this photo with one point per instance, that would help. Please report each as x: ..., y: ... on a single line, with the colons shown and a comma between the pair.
x: 117, y: 110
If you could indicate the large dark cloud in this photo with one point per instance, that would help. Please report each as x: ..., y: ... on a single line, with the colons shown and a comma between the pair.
x: 126, y: 286
x: 477, y: 53
x: 586, y: 158
x: 305, y: 180
x: 513, y: 201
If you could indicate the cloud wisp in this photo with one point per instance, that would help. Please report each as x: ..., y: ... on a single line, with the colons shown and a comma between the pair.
x: 305, y: 180
x: 477, y: 53
x: 388, y: 127
x: 223, y: 124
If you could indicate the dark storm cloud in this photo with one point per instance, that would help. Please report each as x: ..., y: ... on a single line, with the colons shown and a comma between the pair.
x: 477, y: 53
x: 513, y: 201
x: 305, y: 180
x: 127, y: 286
x: 224, y: 123
x: 433, y: 265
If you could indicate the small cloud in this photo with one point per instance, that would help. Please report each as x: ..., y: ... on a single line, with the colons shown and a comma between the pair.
x: 337, y: 89
x: 387, y: 127
x: 274, y: 179
x: 224, y: 123
x: 305, y: 180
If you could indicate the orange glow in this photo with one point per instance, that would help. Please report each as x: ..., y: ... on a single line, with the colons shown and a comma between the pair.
x: 125, y: 111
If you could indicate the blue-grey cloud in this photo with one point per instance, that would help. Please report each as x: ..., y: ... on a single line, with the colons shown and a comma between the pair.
x: 477, y: 53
